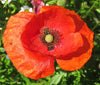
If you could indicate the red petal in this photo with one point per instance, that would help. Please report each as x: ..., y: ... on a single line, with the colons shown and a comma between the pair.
x: 70, y: 44
x: 32, y: 64
x: 77, y: 59
x: 57, y: 20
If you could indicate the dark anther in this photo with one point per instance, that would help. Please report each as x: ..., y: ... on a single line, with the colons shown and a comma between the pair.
x: 49, y: 38
x: 10, y: 43
x: 50, y: 48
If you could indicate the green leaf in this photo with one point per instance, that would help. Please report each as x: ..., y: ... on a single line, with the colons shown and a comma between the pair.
x: 0, y: 41
x: 56, y: 79
x: 61, y: 3
x: 6, y: 3
x: 2, y: 80
x: 7, y: 62
x: 98, y: 10
x: 13, y: 7
x: 63, y: 73
x: 53, y: 2
x: 1, y: 33
x: 3, y: 70
x: 21, y: 1
x: 1, y: 49
x: 25, y: 79
x: 96, y: 83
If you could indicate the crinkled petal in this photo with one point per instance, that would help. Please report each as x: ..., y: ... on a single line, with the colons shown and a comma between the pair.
x: 76, y: 60
x: 57, y: 20
x: 70, y: 44
x: 32, y: 64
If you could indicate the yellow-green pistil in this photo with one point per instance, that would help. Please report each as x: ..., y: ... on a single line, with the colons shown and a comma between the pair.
x: 49, y: 38
x: 26, y: 10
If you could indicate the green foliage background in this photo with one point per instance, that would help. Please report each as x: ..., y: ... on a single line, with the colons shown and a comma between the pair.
x: 89, y: 10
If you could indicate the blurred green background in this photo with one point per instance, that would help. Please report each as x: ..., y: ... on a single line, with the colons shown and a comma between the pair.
x: 89, y: 10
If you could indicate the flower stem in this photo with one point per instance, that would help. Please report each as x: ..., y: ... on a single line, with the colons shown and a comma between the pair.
x: 95, y: 26
x: 90, y: 9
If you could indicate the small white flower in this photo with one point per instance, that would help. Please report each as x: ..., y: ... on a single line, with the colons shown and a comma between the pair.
x: 47, y: 4
x: 0, y: 28
x: 3, y: 1
x: 26, y: 8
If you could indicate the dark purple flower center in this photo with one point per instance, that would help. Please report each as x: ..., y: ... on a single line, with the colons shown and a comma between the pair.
x: 49, y: 38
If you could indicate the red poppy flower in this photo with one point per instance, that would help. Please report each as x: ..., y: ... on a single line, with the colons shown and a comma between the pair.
x: 32, y: 42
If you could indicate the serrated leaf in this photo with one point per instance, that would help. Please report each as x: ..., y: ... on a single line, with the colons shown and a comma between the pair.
x: 56, y: 79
